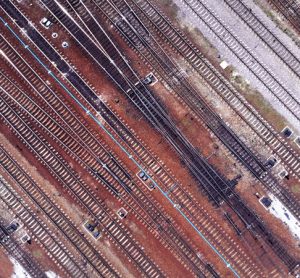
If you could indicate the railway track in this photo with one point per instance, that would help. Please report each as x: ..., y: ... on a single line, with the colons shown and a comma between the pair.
x: 284, y: 194
x: 53, y: 246
x: 289, y: 9
x: 111, y: 227
x: 217, y: 187
x: 158, y: 59
x: 13, y: 249
x: 270, y: 182
x: 271, y: 82
x: 133, y: 91
x: 73, y: 120
x: 58, y: 218
x: 148, y: 211
x: 154, y: 113
x: 265, y: 34
x: 260, y: 227
x: 242, y: 210
x: 179, y: 194
x: 158, y: 22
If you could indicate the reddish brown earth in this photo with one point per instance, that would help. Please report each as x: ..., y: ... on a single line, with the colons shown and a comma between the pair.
x: 197, y: 134
x: 6, y: 268
x: 149, y: 242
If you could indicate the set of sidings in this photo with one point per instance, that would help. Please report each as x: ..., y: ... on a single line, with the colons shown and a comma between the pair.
x: 13, y: 249
x: 220, y: 85
x: 52, y: 211
x: 210, y: 119
x: 159, y: 60
x: 135, y: 94
x: 290, y: 9
x: 235, y: 203
x: 155, y: 114
x: 59, y: 168
x: 239, y: 48
x: 39, y: 230
x: 265, y: 34
x: 94, y: 157
x: 224, y: 244
x: 261, y: 128
x: 243, y: 153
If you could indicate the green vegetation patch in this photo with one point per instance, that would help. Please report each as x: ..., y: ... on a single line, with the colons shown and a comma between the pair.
x: 264, y: 107
x: 37, y: 254
x: 295, y: 188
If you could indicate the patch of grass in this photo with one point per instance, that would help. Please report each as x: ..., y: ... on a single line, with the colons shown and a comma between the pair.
x: 258, y: 102
x: 170, y: 7
x: 185, y: 122
x: 296, y: 188
x: 197, y: 31
x: 37, y: 254
x: 276, y: 18
x: 264, y: 107
x: 238, y: 80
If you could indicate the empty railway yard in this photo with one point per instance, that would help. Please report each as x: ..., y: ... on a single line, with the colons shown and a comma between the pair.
x: 128, y: 151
